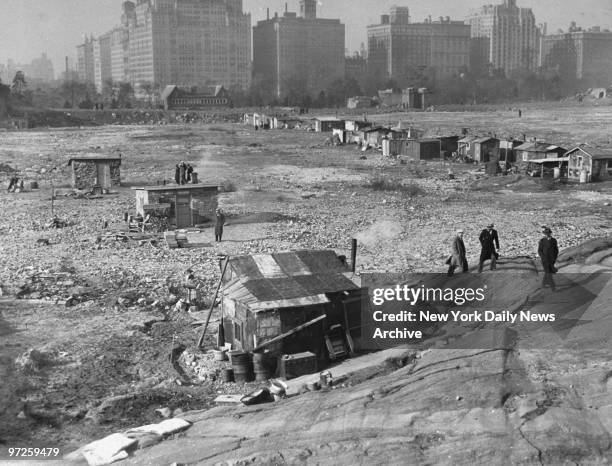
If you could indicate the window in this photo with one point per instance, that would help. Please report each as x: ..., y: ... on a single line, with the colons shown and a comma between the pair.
x: 237, y: 332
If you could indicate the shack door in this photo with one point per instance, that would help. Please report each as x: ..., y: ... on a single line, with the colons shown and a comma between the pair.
x: 183, y: 209
x: 103, y: 175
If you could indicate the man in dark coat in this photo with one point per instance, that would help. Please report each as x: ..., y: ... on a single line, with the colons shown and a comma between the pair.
x: 548, y: 250
x: 177, y: 174
x: 488, y: 241
x: 219, y: 222
x: 189, y: 171
x: 458, y: 256
x: 182, y: 169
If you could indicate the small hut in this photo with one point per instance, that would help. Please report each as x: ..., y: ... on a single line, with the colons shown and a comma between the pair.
x: 183, y: 205
x: 587, y: 163
x: 268, y: 295
x: 95, y: 171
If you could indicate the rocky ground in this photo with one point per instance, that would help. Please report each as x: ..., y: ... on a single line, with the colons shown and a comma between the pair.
x: 98, y: 312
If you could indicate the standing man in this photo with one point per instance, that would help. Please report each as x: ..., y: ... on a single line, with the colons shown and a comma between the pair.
x: 457, y: 257
x: 548, y: 251
x: 189, y: 171
x: 219, y: 222
x: 177, y: 174
x: 488, y: 241
x: 182, y: 169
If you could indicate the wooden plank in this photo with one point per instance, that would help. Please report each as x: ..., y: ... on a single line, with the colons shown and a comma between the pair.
x: 290, y: 332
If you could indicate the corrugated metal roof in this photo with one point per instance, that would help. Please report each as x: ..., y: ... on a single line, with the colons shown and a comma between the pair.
x: 538, y: 147
x: 554, y: 159
x: 175, y: 187
x: 300, y: 278
x: 595, y: 152
x: 95, y: 158
x: 483, y: 139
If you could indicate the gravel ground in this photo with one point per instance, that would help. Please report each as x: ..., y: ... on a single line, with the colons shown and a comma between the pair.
x: 101, y: 309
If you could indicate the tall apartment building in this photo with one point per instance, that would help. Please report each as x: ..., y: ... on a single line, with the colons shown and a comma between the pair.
x: 511, y: 33
x: 188, y: 42
x: 119, y: 58
x: 102, y: 61
x: 85, y: 60
x: 586, y: 54
x: 403, y: 50
x: 299, y: 50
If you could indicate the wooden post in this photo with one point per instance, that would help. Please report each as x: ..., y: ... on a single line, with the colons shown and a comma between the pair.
x: 212, y: 305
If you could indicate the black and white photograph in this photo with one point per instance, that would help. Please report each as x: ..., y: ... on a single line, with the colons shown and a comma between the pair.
x: 305, y: 232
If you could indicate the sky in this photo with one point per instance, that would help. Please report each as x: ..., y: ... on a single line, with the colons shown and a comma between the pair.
x: 29, y: 28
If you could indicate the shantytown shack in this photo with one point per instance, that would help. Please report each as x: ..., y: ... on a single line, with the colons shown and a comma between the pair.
x: 183, y: 205
x: 267, y: 295
x: 95, y: 171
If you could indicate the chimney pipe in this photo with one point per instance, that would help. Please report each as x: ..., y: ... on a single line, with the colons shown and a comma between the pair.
x: 353, y: 254
x: 286, y: 7
x: 268, y: 13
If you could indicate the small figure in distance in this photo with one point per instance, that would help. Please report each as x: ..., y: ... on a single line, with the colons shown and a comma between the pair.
x: 219, y: 222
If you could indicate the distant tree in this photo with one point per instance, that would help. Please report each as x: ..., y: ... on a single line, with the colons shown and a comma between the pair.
x: 148, y: 89
x: 261, y: 92
x: 19, y: 85
x: 75, y: 91
x: 296, y: 91
x: 125, y: 95
x: 86, y: 103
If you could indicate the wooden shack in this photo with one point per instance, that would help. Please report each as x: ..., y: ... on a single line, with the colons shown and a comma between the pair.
x: 327, y: 124
x: 95, y: 171
x: 184, y: 205
x: 486, y: 149
x: 268, y: 295
x: 587, y: 163
x: 448, y: 144
x: 535, y: 150
x: 423, y: 149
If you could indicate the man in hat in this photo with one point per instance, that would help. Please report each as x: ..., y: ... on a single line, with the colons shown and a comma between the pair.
x: 458, y: 256
x: 219, y: 222
x: 548, y: 250
x: 488, y: 242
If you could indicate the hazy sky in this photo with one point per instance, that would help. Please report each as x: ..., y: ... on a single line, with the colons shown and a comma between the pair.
x: 30, y: 27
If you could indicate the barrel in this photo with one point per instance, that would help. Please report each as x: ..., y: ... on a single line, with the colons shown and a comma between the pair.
x: 242, y: 366
x: 194, y: 178
x: 261, y: 367
x: 556, y: 173
x: 227, y: 375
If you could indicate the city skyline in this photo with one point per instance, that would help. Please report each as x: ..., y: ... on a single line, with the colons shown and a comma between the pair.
x: 29, y: 28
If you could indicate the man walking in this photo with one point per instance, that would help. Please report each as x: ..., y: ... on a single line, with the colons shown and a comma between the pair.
x: 548, y: 251
x: 458, y: 256
x: 219, y: 222
x: 488, y: 242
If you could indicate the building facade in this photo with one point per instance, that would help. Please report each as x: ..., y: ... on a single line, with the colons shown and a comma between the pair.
x: 119, y: 58
x: 188, y: 42
x: 408, y: 51
x: 299, y: 52
x: 85, y: 60
x: 512, y: 36
x: 580, y: 54
x: 102, y: 61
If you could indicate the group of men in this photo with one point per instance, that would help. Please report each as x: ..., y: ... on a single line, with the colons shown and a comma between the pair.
x: 548, y: 250
x: 183, y: 173
x: 15, y: 185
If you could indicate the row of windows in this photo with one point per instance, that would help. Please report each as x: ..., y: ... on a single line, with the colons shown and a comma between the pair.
x: 198, y: 101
